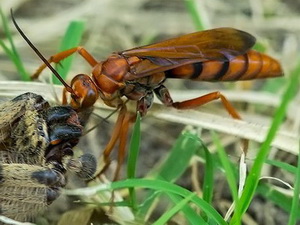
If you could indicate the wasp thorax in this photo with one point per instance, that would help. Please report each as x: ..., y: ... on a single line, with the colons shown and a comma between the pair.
x: 115, y: 67
x: 108, y: 76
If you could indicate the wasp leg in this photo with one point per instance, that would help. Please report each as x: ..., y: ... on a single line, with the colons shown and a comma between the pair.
x: 128, y: 120
x: 113, y: 140
x: 64, y: 54
x: 145, y: 103
x: 120, y: 132
x: 163, y: 94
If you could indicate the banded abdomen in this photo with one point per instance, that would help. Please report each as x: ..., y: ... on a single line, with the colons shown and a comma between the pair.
x: 251, y: 65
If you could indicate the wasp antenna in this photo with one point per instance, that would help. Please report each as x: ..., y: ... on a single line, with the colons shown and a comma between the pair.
x: 103, y: 119
x: 39, y: 54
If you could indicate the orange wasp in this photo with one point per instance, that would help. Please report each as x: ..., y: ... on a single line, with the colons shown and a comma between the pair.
x: 222, y: 54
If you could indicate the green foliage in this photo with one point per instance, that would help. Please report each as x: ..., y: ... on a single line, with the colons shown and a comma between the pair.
x: 11, y: 50
x: 70, y: 40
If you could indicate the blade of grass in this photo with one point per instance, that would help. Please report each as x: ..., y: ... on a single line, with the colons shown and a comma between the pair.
x: 191, y: 215
x: 196, y: 17
x: 277, y: 197
x: 295, y: 203
x: 282, y: 165
x: 260, y: 47
x: 174, y: 165
x: 7, y: 50
x: 179, y: 157
x: 108, y: 203
x: 133, y: 156
x: 208, y: 181
x: 229, y: 171
x: 12, y: 52
x: 280, y: 199
x: 254, y: 174
x: 71, y: 39
x: 170, y: 213
x: 160, y: 185
x: 274, y: 85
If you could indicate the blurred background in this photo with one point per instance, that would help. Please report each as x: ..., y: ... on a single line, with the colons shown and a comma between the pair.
x: 114, y: 25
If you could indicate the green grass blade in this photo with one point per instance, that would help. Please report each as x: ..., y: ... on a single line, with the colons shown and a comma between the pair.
x: 254, y: 174
x: 190, y: 214
x: 134, y: 147
x: 158, y: 185
x: 274, y: 85
x: 179, y: 157
x: 12, y: 52
x: 229, y: 172
x: 278, y: 198
x: 171, y: 188
x: 170, y: 213
x: 7, y: 50
x: 133, y: 156
x: 208, y: 181
x: 71, y: 39
x: 282, y: 165
x: 175, y: 164
x: 295, y: 204
x: 196, y: 17
x: 260, y: 47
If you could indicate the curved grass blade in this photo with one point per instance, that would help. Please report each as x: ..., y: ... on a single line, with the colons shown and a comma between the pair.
x: 190, y: 214
x: 208, y: 181
x: 229, y: 171
x: 295, y: 203
x: 282, y: 165
x: 71, y: 39
x: 177, y: 208
x: 11, y: 51
x: 158, y: 185
x: 254, y: 174
x: 133, y: 156
x: 280, y: 199
x: 175, y: 164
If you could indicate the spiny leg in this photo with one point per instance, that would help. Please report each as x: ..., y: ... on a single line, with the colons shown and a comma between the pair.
x: 64, y: 54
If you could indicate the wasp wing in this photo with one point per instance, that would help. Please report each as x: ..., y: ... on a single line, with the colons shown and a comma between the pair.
x: 210, y: 44
x: 221, y: 44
